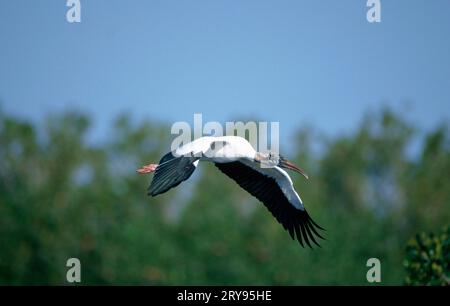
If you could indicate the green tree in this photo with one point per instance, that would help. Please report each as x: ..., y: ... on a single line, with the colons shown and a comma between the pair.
x: 428, y: 259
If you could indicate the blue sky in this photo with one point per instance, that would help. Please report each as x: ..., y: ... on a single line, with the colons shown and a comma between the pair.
x: 298, y: 62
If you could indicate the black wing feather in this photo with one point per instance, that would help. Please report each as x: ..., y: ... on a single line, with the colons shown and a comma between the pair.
x: 171, y: 172
x: 297, y: 222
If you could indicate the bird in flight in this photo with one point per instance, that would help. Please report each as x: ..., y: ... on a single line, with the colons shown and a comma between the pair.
x: 260, y: 174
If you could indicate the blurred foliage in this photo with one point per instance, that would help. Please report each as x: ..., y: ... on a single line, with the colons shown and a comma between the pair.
x: 63, y: 196
x: 428, y: 259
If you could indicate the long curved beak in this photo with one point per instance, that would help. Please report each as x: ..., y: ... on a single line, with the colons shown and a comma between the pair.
x: 289, y: 165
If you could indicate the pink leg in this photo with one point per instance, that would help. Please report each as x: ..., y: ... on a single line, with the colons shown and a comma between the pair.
x: 147, y: 168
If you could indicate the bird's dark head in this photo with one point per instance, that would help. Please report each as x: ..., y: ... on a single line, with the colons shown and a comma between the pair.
x: 270, y: 159
x: 287, y: 164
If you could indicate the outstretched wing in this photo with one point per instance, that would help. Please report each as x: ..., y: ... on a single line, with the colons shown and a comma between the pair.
x: 170, y: 172
x: 266, y: 189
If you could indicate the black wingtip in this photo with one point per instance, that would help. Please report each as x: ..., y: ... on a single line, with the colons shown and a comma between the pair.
x: 299, y: 235
x: 152, y: 193
x: 315, y: 224
x: 310, y: 230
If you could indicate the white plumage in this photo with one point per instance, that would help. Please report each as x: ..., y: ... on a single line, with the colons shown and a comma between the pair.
x: 218, y: 149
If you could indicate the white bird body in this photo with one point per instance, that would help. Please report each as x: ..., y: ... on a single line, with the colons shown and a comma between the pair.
x: 260, y: 174
x: 229, y: 148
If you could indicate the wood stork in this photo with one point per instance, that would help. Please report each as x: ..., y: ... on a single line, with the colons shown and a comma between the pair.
x: 260, y: 174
